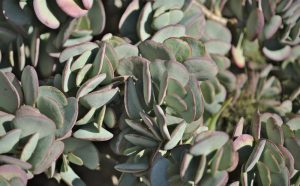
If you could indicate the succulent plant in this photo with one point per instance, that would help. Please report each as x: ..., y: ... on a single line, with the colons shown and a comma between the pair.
x: 89, y: 75
x: 34, y: 122
x: 275, y: 23
x: 30, y: 42
x: 274, y: 150
x: 36, y: 125
x: 140, y: 92
x: 161, y: 19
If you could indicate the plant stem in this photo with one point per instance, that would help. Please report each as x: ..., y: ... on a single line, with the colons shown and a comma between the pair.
x: 213, y: 121
x: 214, y: 17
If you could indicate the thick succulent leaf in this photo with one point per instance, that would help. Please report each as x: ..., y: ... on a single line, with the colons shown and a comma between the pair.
x: 41, y: 150
x: 278, y: 55
x: 112, y: 56
x: 132, y: 66
x: 9, y: 99
x: 256, y: 126
x: 272, y: 27
x: 55, y: 150
x: 14, y: 161
x: 110, y: 118
x: 238, y: 131
x: 93, y: 134
x: 201, y: 67
x: 71, y: 178
x: 294, y: 123
x: 168, y: 4
x: 71, y: 8
x: 193, y: 20
x: 142, y: 141
x: 159, y: 171
x: 4, y: 117
x: 152, y: 50
x: 133, y: 106
x: 179, y: 47
x: 238, y: 57
x: 217, y: 47
x: 20, y: 53
x: 139, y: 128
x: 80, y: 61
x: 97, y: 16
x: 29, y: 147
x: 208, y: 91
x: 242, y: 140
x: 53, y: 93
x: 270, y: 160
x: 288, y: 159
x: 293, y: 144
x: 70, y: 113
x: 216, y: 31
x: 31, y: 123
x: 186, y: 162
x: 127, y: 179
x: 272, y: 149
x: 190, y: 114
x: 11, y: 171
x: 30, y: 85
x: 51, y: 109
x: 198, y: 48
x: 4, y: 182
x: 87, y: 118
x: 79, y: 148
x: 143, y: 26
x: 199, y: 100
x: 176, y: 136
x: 148, y: 121
x: 83, y: 74
x: 99, y: 60
x: 229, y: 158
x: 274, y: 132
x: 8, y: 141
x: 208, y: 143
x: 167, y: 32
x: 255, y: 24
x: 76, y: 50
x: 264, y: 173
x: 100, y: 117
x: 126, y: 50
x: 200, y: 169
x: 16, y: 83
x: 176, y: 102
x: 268, y: 8
x: 168, y: 18
x: 173, y: 69
x: 163, y: 85
x: 98, y: 98
x: 44, y: 14
x: 90, y: 85
x: 131, y: 167
x: 147, y: 84
x: 161, y: 120
x: 68, y: 77
x: 281, y: 178
x: 283, y: 5
x: 127, y: 24
x: 174, y: 87
x: 220, y: 178
x: 255, y: 155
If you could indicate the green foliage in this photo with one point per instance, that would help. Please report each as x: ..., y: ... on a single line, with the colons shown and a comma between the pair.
x: 164, y: 92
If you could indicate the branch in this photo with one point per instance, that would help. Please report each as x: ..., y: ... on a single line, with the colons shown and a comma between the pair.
x: 214, y: 17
